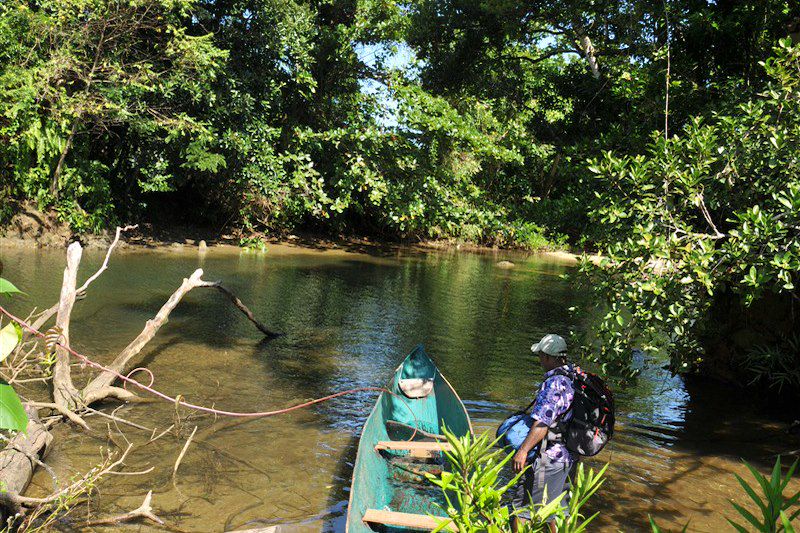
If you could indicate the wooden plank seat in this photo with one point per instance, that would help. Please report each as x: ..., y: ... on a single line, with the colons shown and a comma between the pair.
x: 419, y: 449
x: 413, y: 445
x: 407, y: 520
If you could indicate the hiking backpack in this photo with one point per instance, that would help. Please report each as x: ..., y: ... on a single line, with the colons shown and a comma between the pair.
x: 591, y: 425
x: 592, y: 422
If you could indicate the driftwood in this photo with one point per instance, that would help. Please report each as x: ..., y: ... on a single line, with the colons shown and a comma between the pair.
x: 80, y: 292
x: 100, y: 387
x: 183, y: 452
x: 18, y: 460
x: 143, y: 511
x: 64, y: 392
x: 78, y: 486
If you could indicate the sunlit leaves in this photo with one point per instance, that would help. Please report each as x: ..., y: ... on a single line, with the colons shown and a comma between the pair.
x: 10, y: 335
x: 473, y: 491
x: 8, y: 288
x: 12, y: 414
x: 710, y: 212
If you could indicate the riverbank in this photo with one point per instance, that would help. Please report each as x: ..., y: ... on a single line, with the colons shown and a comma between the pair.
x: 31, y: 228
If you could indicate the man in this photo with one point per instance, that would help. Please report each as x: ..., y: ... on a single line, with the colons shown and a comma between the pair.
x: 552, y: 461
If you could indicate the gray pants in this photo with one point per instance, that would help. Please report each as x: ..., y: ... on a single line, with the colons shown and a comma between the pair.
x: 531, y: 488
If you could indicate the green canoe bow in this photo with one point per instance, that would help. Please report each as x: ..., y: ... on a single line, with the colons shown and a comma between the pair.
x: 390, y: 480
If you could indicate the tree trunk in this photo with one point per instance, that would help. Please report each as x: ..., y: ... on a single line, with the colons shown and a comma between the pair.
x: 60, y: 165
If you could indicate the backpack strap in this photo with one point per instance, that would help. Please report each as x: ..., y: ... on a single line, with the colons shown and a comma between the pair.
x: 529, y: 406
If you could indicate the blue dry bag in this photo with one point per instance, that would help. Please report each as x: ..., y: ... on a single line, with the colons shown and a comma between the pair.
x: 515, y: 428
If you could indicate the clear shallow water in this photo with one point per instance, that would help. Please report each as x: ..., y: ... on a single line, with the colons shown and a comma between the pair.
x: 348, y: 319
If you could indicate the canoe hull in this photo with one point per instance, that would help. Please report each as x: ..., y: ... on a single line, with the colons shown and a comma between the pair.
x: 377, y: 482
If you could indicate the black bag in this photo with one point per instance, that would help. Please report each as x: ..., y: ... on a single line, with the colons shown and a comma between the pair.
x: 592, y: 422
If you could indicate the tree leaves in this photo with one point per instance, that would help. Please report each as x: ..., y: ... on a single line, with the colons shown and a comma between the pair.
x: 10, y: 335
x: 12, y: 414
x: 8, y: 288
x: 700, y: 216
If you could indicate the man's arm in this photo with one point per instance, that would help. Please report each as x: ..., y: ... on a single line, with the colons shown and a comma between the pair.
x: 536, y: 435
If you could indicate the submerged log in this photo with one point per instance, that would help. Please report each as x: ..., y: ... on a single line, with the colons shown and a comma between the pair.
x: 18, y: 460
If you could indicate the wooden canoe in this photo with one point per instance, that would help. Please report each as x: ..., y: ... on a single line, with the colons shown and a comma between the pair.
x: 388, y: 491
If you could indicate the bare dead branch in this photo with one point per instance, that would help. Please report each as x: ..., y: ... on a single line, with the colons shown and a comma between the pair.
x: 64, y: 392
x: 143, y: 511
x: 62, y: 410
x: 104, y: 266
x: 239, y: 305
x: 98, y: 388
x: 118, y: 419
x: 183, y: 452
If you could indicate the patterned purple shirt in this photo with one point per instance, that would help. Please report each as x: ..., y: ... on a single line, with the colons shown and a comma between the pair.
x: 553, y: 400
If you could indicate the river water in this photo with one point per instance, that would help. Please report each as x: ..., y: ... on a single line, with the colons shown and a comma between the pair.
x: 349, y: 317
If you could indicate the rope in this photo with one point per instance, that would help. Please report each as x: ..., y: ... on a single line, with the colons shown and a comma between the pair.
x: 178, y: 401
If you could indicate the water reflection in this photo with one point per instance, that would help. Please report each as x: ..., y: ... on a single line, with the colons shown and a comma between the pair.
x: 348, y: 321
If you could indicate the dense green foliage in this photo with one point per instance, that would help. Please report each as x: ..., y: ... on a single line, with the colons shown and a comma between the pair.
x: 253, y: 110
x: 662, y: 133
x: 705, y: 223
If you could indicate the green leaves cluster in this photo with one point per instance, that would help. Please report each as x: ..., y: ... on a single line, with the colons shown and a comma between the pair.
x: 777, y: 510
x: 98, y: 96
x: 703, y: 224
x: 256, y: 110
x: 474, y: 494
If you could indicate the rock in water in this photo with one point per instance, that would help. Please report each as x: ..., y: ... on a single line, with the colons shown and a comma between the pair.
x: 505, y: 264
x: 202, y: 246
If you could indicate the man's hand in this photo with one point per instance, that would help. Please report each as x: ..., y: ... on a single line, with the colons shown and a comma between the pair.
x: 535, y: 436
x: 520, y: 458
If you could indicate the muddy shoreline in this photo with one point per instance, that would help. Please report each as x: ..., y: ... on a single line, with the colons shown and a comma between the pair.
x: 33, y: 229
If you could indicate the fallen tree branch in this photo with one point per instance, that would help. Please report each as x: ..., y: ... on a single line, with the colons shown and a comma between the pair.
x: 97, y: 389
x: 62, y: 410
x: 243, y: 308
x: 64, y: 392
x: 79, y: 485
x: 118, y: 419
x: 143, y: 511
x: 104, y: 266
x: 47, y: 314
x: 183, y: 452
x: 16, y: 466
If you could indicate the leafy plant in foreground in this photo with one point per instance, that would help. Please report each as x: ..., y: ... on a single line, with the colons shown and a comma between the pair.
x: 12, y: 414
x: 776, y: 508
x: 473, y: 492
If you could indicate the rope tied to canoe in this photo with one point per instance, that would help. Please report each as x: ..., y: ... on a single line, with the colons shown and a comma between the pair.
x: 178, y: 400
